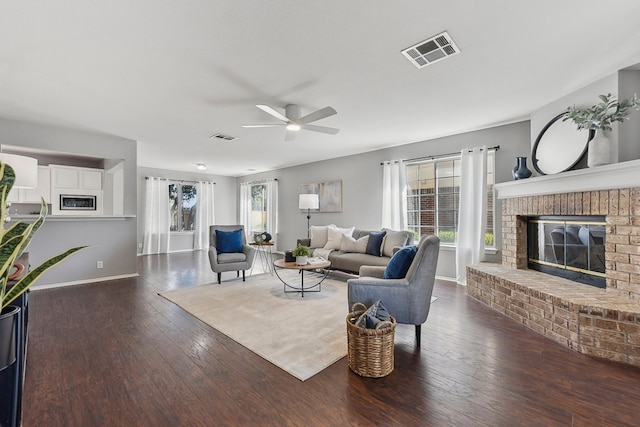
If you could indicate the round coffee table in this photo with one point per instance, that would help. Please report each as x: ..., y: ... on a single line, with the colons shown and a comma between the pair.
x: 309, y: 268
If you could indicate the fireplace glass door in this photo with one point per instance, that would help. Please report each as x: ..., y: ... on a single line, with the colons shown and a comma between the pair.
x: 569, y: 247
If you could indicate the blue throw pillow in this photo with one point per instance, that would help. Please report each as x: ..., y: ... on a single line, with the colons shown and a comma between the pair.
x: 400, y: 263
x: 229, y: 241
x: 374, y: 245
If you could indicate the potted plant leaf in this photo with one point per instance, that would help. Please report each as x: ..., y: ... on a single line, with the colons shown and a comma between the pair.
x: 14, y: 241
x: 599, y: 118
x: 301, y: 252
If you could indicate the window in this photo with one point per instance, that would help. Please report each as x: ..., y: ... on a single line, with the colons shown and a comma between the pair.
x: 258, y: 207
x: 182, y: 203
x: 433, y: 198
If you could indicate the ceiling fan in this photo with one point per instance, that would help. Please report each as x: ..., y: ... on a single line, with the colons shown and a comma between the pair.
x: 294, y: 121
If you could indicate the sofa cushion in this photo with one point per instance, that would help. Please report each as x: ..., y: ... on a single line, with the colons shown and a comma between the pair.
x: 319, y: 235
x: 350, y: 244
x: 374, y: 245
x: 400, y: 263
x: 351, y: 261
x: 334, y: 237
x: 394, y: 239
x: 229, y: 258
x: 229, y: 241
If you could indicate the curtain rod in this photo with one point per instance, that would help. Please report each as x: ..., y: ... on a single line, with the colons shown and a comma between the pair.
x: 178, y: 180
x: 437, y: 156
x: 262, y: 181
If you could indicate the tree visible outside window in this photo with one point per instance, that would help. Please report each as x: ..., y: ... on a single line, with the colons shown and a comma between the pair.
x: 182, y: 203
x: 258, y: 207
x: 433, y: 198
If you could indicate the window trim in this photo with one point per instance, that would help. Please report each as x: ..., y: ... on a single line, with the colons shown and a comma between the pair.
x: 491, y: 249
x: 180, y: 184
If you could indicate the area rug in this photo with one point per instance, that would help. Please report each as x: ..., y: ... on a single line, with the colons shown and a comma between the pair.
x: 302, y: 336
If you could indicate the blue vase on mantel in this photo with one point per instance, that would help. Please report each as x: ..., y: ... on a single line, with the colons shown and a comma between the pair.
x: 520, y: 171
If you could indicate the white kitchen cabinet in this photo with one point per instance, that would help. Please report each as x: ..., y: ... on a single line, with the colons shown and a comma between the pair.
x: 76, y: 178
x: 42, y: 191
x: 90, y: 179
x: 64, y: 177
x: 71, y: 182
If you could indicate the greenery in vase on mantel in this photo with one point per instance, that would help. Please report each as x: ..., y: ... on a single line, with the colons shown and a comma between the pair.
x: 601, y: 116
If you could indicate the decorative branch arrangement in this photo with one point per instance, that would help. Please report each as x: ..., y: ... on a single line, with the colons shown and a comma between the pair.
x: 602, y: 115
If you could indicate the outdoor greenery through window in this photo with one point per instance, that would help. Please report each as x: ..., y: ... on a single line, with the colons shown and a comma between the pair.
x: 258, y: 207
x: 182, y: 203
x: 433, y: 198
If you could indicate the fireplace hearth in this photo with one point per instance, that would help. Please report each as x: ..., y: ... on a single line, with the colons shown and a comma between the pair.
x: 600, y: 322
x: 569, y: 246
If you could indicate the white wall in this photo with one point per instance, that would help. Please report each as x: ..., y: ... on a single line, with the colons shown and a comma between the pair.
x: 113, y: 241
x: 361, y: 177
x: 225, y: 208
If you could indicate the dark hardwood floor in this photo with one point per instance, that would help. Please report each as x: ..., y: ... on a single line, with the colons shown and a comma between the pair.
x: 117, y: 354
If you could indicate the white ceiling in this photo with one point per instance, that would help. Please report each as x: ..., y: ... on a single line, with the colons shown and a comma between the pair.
x: 171, y: 73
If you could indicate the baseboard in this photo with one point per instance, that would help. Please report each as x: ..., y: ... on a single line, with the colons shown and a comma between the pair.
x: 447, y: 279
x: 83, y: 282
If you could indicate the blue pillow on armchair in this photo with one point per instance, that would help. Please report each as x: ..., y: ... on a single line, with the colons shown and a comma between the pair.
x: 228, y: 242
x: 400, y: 262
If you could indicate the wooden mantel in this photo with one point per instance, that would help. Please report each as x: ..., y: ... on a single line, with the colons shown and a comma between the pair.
x: 613, y: 176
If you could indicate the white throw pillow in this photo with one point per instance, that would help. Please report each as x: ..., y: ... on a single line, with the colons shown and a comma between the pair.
x: 334, y: 236
x: 350, y: 244
x: 319, y: 235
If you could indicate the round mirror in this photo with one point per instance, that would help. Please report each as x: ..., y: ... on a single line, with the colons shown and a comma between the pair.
x: 559, y: 146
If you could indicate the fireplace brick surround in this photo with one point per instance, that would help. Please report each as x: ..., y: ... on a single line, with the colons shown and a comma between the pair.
x: 603, y: 323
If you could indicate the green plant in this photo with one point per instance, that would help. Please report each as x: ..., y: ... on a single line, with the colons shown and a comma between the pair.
x: 447, y: 236
x: 602, y: 115
x: 488, y: 239
x: 301, y: 250
x: 15, y: 240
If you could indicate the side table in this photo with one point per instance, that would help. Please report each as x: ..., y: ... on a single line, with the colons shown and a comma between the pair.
x: 264, y: 250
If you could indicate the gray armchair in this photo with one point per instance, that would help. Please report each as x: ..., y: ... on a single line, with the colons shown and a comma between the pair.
x: 407, y: 299
x: 237, y: 262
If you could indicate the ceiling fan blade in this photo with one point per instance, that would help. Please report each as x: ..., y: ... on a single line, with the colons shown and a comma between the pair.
x: 317, y: 115
x: 323, y: 129
x: 264, y: 126
x: 273, y: 112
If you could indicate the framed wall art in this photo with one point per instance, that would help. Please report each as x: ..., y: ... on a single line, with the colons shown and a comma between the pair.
x: 329, y: 193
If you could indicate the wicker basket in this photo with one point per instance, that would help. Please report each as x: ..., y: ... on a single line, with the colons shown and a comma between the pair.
x: 370, y: 351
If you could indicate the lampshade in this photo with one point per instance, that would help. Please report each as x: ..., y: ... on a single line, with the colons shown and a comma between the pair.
x: 25, y: 168
x: 309, y: 201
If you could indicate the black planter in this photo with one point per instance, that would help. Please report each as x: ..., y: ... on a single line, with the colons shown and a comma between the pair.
x: 10, y: 359
x: 8, y: 325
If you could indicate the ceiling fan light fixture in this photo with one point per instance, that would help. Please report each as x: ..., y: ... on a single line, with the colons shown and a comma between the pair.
x: 201, y: 166
x: 293, y: 126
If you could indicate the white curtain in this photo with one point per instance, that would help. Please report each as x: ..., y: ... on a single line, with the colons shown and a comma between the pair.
x: 204, y: 214
x: 245, y: 209
x: 272, y: 210
x: 394, y: 196
x: 472, y: 214
x: 157, y: 217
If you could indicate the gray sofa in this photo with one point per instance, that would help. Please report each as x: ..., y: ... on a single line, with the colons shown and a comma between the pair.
x: 351, y: 259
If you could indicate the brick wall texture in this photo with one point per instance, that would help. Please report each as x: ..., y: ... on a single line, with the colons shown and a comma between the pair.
x: 603, y: 323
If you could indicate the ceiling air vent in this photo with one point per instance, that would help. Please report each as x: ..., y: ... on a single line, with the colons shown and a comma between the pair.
x: 431, y: 50
x: 223, y: 137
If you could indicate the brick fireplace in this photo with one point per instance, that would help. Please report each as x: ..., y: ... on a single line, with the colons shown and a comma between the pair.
x: 599, y: 322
